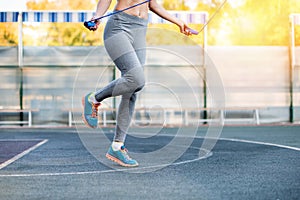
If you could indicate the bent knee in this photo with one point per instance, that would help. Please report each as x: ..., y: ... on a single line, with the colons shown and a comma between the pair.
x: 139, y: 88
x: 137, y: 79
x: 140, y: 83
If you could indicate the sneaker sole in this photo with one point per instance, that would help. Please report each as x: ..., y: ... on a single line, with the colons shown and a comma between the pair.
x: 83, y: 117
x: 116, y: 160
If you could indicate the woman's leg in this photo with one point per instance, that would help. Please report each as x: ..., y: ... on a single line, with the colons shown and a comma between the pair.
x: 124, y: 39
x: 125, y: 113
x: 131, y: 81
x: 126, y: 47
x: 116, y: 151
x: 127, y: 104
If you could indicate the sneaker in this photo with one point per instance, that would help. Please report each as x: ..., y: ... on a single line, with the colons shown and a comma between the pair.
x: 90, y: 111
x: 121, y: 157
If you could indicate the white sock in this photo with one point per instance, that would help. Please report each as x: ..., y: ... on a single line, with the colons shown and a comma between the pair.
x: 92, y: 98
x: 116, y: 146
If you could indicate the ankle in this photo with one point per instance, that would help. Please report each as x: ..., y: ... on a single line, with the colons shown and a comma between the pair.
x: 116, y: 146
x: 93, y: 99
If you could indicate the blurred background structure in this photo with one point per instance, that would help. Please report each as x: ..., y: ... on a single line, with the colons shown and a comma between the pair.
x: 49, y: 60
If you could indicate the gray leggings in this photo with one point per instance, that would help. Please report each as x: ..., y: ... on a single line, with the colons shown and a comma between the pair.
x: 125, y: 42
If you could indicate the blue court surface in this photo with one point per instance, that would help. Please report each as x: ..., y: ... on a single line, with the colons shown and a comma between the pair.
x: 245, y: 162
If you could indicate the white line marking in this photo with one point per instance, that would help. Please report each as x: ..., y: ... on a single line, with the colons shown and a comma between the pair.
x: 149, y: 167
x: 20, y: 155
x: 235, y: 140
x: 207, y: 155
x: 261, y: 143
x: 19, y: 140
x: 107, y: 171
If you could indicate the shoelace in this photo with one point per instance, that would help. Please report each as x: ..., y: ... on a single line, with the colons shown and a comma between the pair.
x: 125, y: 152
x: 95, y: 109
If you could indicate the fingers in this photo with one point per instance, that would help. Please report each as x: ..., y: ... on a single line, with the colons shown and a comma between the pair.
x: 192, y: 31
x: 189, y: 31
x: 185, y: 29
x: 95, y: 27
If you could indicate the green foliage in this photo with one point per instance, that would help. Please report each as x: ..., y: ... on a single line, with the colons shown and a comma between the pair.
x: 61, y: 34
x: 61, y: 5
x: 174, y: 5
x: 248, y: 22
x: 8, y: 35
x: 168, y: 34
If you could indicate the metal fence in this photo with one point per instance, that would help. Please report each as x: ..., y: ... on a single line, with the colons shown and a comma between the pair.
x: 51, y: 80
